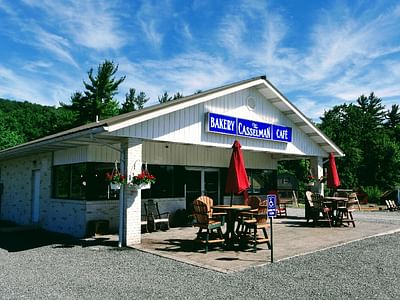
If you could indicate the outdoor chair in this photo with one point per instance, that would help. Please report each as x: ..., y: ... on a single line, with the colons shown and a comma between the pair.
x: 203, y: 220
x: 220, y: 216
x: 154, y: 217
x: 354, y: 199
x: 318, y: 207
x: 391, y: 205
x: 143, y: 223
x: 308, y: 205
x: 345, y: 212
x: 252, y: 226
x: 254, y: 203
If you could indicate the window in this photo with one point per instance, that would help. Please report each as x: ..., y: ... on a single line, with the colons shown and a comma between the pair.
x: 169, y: 182
x: 262, y: 181
x: 83, y: 181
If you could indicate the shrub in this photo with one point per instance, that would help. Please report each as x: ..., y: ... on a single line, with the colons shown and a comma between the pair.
x: 374, y: 194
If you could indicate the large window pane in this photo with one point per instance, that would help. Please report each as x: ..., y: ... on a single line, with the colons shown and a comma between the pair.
x: 169, y: 182
x: 61, y: 181
x: 98, y: 187
x: 85, y: 181
x: 78, y: 181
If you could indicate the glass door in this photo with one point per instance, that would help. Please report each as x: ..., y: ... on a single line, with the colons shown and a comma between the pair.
x: 192, y: 187
x: 199, y: 182
x: 211, y: 185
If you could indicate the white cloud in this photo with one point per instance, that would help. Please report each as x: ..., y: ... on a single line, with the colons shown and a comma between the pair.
x: 22, y: 88
x: 184, y: 73
x: 91, y: 24
x: 36, y: 66
x: 149, y: 17
x: 186, y: 32
x: 56, y: 44
x: 6, y: 8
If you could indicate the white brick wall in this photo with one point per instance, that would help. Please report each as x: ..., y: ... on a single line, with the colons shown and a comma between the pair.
x: 133, y: 198
x: 16, y: 176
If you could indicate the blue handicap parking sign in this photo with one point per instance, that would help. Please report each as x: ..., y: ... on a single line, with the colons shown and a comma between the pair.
x: 271, y: 199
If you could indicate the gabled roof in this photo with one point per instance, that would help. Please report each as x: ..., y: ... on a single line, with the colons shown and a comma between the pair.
x: 94, y: 132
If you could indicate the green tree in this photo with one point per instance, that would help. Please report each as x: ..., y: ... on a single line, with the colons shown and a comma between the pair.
x: 8, y: 138
x: 24, y: 121
x: 393, y: 117
x: 164, y: 98
x: 97, y: 101
x: 133, y: 102
x: 366, y: 133
x: 177, y: 96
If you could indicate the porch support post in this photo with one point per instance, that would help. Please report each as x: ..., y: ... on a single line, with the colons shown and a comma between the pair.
x: 317, y: 171
x: 130, y: 201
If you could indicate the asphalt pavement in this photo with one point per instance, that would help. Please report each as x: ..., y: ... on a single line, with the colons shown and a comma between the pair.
x: 38, y: 265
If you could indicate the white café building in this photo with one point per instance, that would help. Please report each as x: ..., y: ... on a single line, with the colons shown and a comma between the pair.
x: 58, y: 182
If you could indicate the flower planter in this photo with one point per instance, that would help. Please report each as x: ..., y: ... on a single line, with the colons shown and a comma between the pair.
x: 310, y: 184
x: 115, y: 186
x: 142, y: 186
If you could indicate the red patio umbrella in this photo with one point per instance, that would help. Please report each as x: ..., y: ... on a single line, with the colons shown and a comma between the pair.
x: 236, y: 180
x: 333, y: 180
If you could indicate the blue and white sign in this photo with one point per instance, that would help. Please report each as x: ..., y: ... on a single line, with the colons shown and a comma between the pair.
x: 253, y: 129
x: 247, y: 128
x: 271, y: 201
x: 221, y: 124
x: 281, y: 133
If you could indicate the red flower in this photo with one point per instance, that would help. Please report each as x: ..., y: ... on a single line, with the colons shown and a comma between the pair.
x: 143, y: 178
x: 115, y: 178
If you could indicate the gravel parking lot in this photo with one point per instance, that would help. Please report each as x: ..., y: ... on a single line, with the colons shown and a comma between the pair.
x: 55, y: 268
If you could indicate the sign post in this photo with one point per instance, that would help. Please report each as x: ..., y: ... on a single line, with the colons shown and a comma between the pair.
x: 271, y: 200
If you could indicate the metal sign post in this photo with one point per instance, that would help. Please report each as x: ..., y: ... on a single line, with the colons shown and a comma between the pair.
x: 271, y: 199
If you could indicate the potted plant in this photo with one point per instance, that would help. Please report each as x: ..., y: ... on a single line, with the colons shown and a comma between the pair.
x: 116, y: 180
x: 142, y: 181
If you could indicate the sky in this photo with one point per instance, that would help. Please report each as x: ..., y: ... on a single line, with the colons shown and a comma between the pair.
x: 317, y: 53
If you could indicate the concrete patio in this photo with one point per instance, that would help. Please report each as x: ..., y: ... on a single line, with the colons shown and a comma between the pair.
x: 292, y: 236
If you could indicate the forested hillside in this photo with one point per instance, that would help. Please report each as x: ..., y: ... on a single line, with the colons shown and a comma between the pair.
x: 24, y: 121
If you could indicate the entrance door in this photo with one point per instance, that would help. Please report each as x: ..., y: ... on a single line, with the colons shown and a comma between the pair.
x: 35, y: 196
x: 199, y: 182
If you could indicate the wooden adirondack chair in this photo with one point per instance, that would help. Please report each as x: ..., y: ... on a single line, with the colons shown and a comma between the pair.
x: 154, y: 216
x: 204, y: 220
x: 259, y: 221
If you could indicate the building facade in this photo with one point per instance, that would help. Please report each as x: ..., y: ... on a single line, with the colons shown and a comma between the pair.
x: 59, y: 182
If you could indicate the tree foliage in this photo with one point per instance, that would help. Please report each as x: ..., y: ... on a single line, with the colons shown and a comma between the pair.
x: 134, y: 102
x: 167, y: 98
x: 24, y: 121
x: 97, y: 101
x: 369, y: 137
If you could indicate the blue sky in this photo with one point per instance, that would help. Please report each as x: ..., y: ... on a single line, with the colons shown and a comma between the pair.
x: 317, y: 53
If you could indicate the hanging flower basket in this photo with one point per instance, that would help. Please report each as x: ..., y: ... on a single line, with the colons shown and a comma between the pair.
x: 142, y: 186
x: 115, y: 186
x: 142, y: 181
x: 115, y: 178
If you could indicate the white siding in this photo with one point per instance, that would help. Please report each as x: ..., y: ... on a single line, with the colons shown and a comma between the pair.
x: 188, y: 126
x: 90, y: 153
x: 191, y: 155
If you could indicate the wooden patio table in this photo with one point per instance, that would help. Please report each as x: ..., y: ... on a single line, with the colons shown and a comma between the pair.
x: 336, y: 202
x: 232, y: 212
